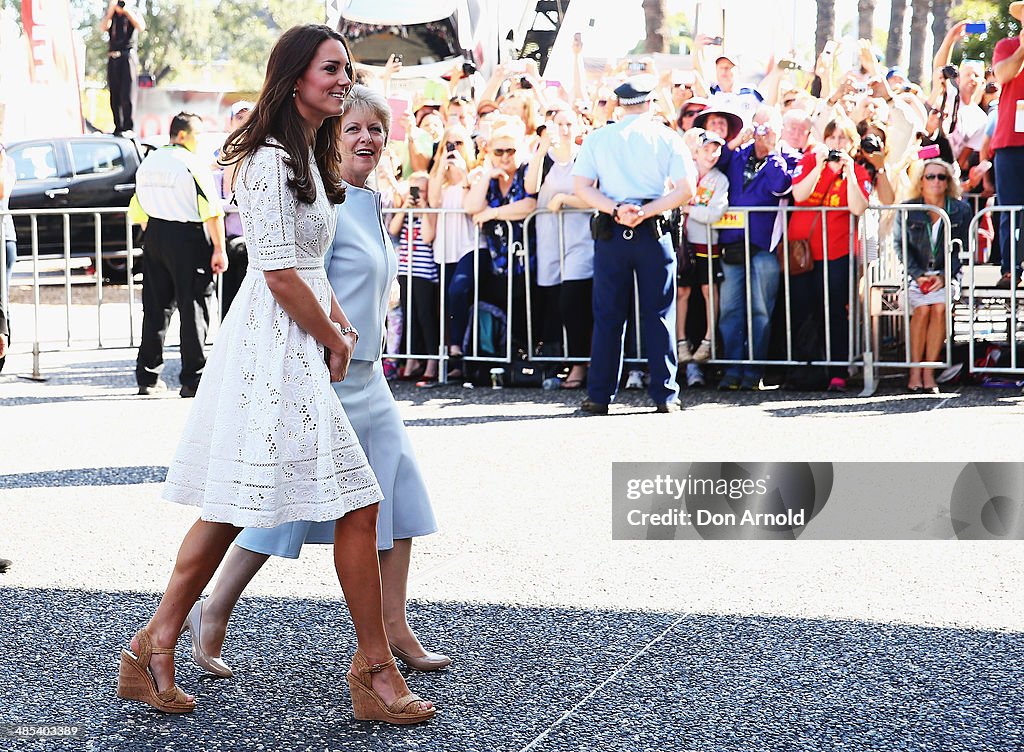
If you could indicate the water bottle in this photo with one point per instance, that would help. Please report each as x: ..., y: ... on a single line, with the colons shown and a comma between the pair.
x: 552, y: 383
x: 497, y: 378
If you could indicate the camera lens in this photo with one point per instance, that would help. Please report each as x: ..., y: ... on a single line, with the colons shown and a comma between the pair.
x: 834, y: 155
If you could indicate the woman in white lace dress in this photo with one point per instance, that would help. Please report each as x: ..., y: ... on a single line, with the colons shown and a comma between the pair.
x: 267, y: 441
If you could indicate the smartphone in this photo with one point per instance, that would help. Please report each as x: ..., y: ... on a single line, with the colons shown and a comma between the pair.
x: 449, y: 147
x: 716, y: 41
x: 414, y: 192
x: 637, y: 67
x: 517, y: 66
x: 786, y: 64
x: 398, y: 57
x: 976, y: 27
x: 929, y: 152
x: 830, y: 47
x: 577, y: 38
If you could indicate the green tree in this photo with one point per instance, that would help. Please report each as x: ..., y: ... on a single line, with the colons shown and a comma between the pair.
x: 1000, y: 26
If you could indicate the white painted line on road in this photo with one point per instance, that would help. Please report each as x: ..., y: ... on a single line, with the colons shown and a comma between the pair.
x: 569, y: 713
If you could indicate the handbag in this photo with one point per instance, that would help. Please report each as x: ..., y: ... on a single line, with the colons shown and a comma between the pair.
x: 686, y: 257
x: 799, y: 251
x: 734, y: 253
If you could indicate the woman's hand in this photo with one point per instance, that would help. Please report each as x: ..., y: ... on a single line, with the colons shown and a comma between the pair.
x: 338, y: 360
x: 557, y: 202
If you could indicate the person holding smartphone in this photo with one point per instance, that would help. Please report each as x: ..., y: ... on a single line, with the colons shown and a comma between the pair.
x: 933, y: 184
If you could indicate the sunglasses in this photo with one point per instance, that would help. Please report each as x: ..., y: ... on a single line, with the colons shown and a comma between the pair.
x: 937, y: 176
x: 503, y: 152
x: 602, y: 102
x: 682, y: 86
x: 789, y: 103
x: 690, y: 113
x: 454, y: 144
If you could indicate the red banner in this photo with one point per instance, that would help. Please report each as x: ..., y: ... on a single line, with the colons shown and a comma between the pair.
x: 53, y: 71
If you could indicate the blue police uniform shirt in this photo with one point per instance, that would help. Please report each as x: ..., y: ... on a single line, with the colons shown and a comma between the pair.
x: 633, y: 158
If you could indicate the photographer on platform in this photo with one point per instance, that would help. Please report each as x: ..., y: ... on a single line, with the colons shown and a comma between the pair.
x: 120, y: 23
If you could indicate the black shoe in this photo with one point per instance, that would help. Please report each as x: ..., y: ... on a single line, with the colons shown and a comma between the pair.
x: 156, y: 388
x: 669, y: 407
x: 188, y: 390
x: 5, y: 564
x: 594, y: 408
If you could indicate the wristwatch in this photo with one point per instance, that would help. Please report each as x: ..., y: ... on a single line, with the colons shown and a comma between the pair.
x: 349, y: 330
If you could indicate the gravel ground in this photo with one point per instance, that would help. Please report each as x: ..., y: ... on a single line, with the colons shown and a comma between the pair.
x: 562, y: 638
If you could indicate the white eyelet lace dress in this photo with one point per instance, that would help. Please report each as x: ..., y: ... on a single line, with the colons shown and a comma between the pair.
x: 267, y: 440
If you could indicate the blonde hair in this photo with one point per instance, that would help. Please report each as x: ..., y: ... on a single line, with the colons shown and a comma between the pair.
x: 365, y: 99
x: 847, y: 128
x: 917, y: 169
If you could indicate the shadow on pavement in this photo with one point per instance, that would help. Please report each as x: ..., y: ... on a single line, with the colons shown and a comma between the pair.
x: 542, y: 678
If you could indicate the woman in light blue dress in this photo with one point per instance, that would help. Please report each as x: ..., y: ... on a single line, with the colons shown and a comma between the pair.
x: 361, y: 265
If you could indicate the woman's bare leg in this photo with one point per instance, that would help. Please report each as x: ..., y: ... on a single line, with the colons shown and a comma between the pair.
x: 355, y: 558
x: 394, y: 580
x: 935, y: 338
x: 240, y: 566
x: 200, y: 554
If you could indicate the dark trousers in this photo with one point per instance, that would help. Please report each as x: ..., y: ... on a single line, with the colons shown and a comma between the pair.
x: 547, y: 311
x: 176, y: 274
x: 807, y: 293
x: 493, y: 289
x: 122, y: 83
x: 1009, y: 166
x: 653, y: 262
x: 231, y: 280
x: 421, y: 316
x: 576, y: 303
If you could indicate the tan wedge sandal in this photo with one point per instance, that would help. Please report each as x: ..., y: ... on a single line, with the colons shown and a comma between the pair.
x: 135, y: 681
x: 367, y: 705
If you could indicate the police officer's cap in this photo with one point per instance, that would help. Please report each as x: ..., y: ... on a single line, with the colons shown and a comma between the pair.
x: 636, y: 90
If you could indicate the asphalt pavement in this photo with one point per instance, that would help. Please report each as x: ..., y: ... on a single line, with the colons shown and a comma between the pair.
x: 562, y: 638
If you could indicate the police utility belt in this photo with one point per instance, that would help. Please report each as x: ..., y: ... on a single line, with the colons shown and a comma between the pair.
x: 602, y: 226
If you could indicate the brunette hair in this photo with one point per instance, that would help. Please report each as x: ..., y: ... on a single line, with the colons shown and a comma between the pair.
x: 275, y: 116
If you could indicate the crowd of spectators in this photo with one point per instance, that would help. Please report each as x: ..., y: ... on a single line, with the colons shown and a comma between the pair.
x: 826, y: 138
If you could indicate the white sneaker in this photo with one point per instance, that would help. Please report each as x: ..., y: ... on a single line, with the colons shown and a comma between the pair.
x: 694, y: 375
x: 635, y: 380
x: 683, y: 354
x: 703, y: 353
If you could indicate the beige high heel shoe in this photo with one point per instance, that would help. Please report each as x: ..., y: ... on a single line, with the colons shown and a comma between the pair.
x: 367, y: 705
x: 194, y: 624
x: 135, y: 680
x: 427, y: 662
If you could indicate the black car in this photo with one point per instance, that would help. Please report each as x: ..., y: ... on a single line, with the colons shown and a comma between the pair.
x: 71, y: 172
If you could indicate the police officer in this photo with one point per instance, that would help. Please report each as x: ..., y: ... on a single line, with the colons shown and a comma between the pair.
x: 622, y: 172
x: 176, y: 202
x: 121, y: 22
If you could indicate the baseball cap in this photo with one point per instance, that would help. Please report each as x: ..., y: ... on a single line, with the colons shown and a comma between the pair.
x: 240, y: 106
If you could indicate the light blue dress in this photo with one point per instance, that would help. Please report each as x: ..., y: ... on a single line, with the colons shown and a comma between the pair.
x: 361, y: 264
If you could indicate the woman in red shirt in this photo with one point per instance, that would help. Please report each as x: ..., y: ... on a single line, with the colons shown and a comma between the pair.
x: 827, y: 176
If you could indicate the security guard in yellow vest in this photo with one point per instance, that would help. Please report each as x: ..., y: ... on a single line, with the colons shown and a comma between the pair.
x: 175, y: 200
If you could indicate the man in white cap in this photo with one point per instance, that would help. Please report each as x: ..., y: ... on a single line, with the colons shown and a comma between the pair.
x: 723, y: 94
x: 1008, y: 142
x: 622, y: 171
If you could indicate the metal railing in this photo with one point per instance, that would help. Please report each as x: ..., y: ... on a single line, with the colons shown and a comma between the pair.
x: 1001, y: 308
x: 872, y: 277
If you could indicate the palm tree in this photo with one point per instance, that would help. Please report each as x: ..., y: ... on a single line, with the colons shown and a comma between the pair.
x: 940, y: 22
x: 654, y: 21
x: 865, y: 19
x: 894, y: 46
x: 825, y: 27
x: 918, y: 29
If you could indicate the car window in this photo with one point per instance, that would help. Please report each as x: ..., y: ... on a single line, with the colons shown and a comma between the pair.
x: 95, y: 157
x: 34, y: 161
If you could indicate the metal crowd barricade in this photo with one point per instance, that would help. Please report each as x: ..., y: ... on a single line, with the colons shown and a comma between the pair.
x: 513, y: 250
x: 1001, y: 308
x: 98, y: 255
